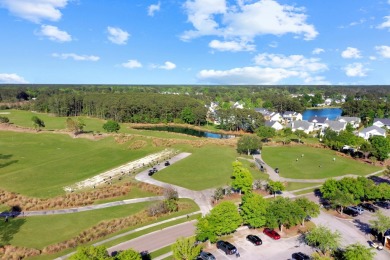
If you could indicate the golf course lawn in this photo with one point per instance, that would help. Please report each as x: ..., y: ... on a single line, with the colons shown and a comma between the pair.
x: 316, y: 163
x: 207, y: 167
x: 40, y: 231
x: 40, y: 165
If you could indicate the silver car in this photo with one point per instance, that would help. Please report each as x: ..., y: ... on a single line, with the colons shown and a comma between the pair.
x: 357, y: 209
x: 205, y: 256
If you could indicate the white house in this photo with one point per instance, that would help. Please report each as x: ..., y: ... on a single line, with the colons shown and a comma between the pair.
x: 304, y: 125
x: 268, y: 115
x: 368, y: 132
x: 274, y: 124
x: 289, y: 116
x: 381, y: 122
x: 238, y: 105
x: 354, y: 121
x: 318, y: 121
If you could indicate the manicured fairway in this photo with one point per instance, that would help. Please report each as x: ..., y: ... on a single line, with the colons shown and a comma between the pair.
x: 40, y: 165
x: 316, y: 163
x: 206, y: 167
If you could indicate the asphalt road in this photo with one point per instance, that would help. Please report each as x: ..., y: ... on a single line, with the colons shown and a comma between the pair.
x: 157, y: 239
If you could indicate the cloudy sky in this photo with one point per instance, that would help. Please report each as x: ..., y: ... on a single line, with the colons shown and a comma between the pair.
x: 260, y: 42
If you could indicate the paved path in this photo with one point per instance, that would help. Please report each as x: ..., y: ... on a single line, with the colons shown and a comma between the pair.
x: 158, y: 239
x: 87, y: 208
x: 202, y: 198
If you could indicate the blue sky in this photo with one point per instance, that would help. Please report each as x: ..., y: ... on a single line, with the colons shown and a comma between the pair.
x: 309, y: 42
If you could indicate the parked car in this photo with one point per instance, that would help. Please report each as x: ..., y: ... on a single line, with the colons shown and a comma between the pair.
x: 382, y: 204
x: 369, y: 207
x: 300, y: 256
x: 254, y: 240
x: 205, y: 256
x: 358, y: 209
x: 376, y: 244
x: 271, y: 233
x: 167, y: 163
x: 350, y: 212
x: 225, y: 246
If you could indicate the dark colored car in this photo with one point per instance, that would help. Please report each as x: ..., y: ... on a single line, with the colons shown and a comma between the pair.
x: 205, y: 256
x: 225, y: 246
x: 350, y: 212
x: 383, y: 204
x: 368, y: 206
x: 300, y: 256
x: 254, y: 240
x: 167, y: 163
x: 271, y: 233
x: 152, y: 171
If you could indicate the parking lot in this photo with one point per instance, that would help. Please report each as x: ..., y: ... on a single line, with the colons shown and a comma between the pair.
x: 352, y: 230
x: 270, y: 249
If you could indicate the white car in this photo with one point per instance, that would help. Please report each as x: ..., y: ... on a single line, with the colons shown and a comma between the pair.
x: 376, y: 244
x: 357, y: 209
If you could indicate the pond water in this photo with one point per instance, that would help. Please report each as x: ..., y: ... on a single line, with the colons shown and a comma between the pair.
x: 330, y: 113
x: 187, y: 131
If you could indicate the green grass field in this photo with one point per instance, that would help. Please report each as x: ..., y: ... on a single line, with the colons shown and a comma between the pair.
x: 316, y: 163
x: 207, y: 167
x: 40, y: 165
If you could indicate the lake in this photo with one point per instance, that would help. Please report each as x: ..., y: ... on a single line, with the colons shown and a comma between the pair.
x: 330, y: 113
x: 187, y: 131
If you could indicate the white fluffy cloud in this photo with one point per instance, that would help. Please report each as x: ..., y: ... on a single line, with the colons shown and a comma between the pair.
x: 355, y: 70
x: 54, y: 34
x: 231, y: 46
x: 351, y: 53
x: 132, y: 64
x: 269, y: 69
x: 76, y: 57
x: 153, y: 8
x: 117, y: 35
x: 35, y: 10
x: 168, y: 66
x: 11, y: 78
x: 245, y: 20
x: 384, y: 51
x: 246, y: 75
x: 317, y: 51
x: 294, y: 62
x: 386, y: 23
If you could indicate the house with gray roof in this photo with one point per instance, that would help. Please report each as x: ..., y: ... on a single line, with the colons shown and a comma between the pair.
x: 336, y: 126
x: 289, y: 116
x: 269, y: 115
x: 318, y: 121
x: 352, y: 120
x: 368, y: 132
x: 382, y: 122
x: 274, y: 124
x: 303, y: 125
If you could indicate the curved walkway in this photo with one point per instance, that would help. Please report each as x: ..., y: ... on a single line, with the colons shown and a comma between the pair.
x: 202, y: 198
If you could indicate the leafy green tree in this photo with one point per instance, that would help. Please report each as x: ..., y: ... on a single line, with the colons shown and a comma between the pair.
x: 254, y: 210
x: 111, y: 126
x: 351, y: 186
x: 223, y: 219
x: 343, y: 199
x: 37, y: 123
x: 187, y: 115
x: 366, y: 149
x: 248, y: 143
x: 128, y: 254
x: 387, y: 171
x: 218, y: 194
x: 380, y: 146
x: 383, y: 190
x: 76, y: 126
x: 4, y: 120
x: 242, y: 178
x: 90, y: 253
x: 380, y: 223
x: 309, y: 207
x: 186, y: 249
x: 300, y: 134
x: 275, y: 186
x: 358, y: 252
x: 281, y: 212
x: 286, y: 134
x: 265, y: 132
x: 328, y: 189
x: 324, y: 239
